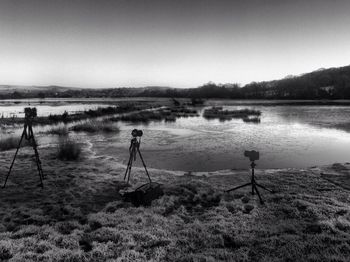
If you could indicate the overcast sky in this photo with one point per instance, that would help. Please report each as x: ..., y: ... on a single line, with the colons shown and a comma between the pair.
x: 179, y: 43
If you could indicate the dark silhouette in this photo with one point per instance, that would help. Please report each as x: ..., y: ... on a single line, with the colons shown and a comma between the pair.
x: 253, y: 156
x: 28, y: 134
x: 332, y: 83
x: 133, y: 150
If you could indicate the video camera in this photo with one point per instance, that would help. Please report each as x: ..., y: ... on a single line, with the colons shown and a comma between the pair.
x: 136, y: 133
x: 30, y: 112
x: 253, y: 155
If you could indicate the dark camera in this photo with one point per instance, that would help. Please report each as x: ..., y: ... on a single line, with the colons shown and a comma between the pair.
x: 30, y: 112
x: 253, y: 155
x: 136, y: 133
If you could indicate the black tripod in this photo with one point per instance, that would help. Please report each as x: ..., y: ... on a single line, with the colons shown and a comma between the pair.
x: 29, y: 136
x: 133, y: 150
x: 254, y: 185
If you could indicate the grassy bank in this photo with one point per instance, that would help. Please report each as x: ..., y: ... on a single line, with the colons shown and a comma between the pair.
x: 79, y: 215
x: 67, y: 118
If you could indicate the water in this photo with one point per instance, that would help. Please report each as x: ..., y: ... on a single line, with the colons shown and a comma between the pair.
x: 288, y: 136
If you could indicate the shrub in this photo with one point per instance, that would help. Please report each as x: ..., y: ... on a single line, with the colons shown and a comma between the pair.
x: 95, y: 126
x: 59, y: 118
x: 68, y: 150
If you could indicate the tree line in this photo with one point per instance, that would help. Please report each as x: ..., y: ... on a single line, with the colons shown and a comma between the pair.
x: 333, y: 83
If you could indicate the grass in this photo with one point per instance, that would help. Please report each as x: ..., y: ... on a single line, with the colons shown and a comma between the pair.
x: 68, y: 149
x: 79, y: 215
x: 95, y: 126
x: 60, y: 131
x: 68, y: 118
x: 11, y: 143
x: 219, y: 113
x: 167, y: 114
x: 251, y: 120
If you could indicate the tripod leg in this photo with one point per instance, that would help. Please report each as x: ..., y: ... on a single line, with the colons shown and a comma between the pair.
x: 37, y: 159
x: 269, y: 190
x: 238, y: 187
x: 14, y: 158
x: 257, y: 191
x: 127, y: 167
x: 144, y: 165
x: 129, y: 173
x: 132, y: 153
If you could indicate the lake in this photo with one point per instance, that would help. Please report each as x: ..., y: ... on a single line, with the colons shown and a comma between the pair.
x: 288, y: 136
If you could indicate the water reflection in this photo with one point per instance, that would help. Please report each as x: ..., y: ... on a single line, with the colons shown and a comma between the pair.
x: 288, y: 136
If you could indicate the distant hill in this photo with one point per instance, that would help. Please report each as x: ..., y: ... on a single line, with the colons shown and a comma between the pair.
x: 28, y: 89
x: 332, y: 83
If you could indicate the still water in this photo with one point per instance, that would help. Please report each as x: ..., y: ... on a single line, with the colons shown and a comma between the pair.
x: 288, y: 136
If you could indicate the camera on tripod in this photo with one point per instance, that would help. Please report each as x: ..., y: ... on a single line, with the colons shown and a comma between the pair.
x: 252, y: 155
x: 136, y: 133
x: 30, y: 112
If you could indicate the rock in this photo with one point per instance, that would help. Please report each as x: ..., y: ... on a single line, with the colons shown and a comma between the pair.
x: 313, y: 229
x: 144, y: 195
x: 245, y: 199
x: 248, y: 208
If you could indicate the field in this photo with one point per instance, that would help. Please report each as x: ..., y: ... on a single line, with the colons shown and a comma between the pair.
x: 79, y: 214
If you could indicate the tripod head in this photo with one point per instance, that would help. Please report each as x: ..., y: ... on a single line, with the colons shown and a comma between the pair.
x: 252, y: 155
x: 136, y: 133
x: 29, y: 114
x: 136, y: 138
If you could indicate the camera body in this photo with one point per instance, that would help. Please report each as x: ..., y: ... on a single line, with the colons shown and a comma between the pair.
x: 30, y: 112
x: 136, y: 133
x: 252, y: 155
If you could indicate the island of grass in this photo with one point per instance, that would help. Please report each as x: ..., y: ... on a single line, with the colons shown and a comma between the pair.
x: 164, y: 113
x: 217, y: 112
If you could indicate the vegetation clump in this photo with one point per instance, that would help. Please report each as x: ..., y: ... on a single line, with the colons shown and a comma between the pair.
x: 220, y: 113
x: 166, y: 113
x: 68, y: 150
x: 61, y: 131
x: 11, y: 143
x: 94, y: 127
x: 255, y: 120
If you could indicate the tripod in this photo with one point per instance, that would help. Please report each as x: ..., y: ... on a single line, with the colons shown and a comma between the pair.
x: 133, y: 150
x: 253, y: 183
x: 29, y: 136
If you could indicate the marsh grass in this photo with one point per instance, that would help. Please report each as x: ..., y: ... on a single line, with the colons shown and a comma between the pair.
x: 60, y: 131
x: 11, y: 143
x: 95, y: 126
x: 167, y: 114
x: 255, y: 120
x: 68, y: 150
x: 244, y: 114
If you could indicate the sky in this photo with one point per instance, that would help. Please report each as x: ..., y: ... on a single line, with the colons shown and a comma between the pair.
x: 177, y: 43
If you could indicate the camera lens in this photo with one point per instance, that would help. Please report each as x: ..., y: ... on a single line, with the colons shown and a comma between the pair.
x: 134, y: 132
